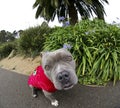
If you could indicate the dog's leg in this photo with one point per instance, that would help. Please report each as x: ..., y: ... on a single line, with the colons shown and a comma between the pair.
x: 34, y: 91
x: 49, y: 95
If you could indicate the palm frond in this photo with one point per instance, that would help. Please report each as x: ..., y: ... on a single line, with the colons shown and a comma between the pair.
x: 38, y: 12
x: 104, y: 1
x: 35, y: 4
x: 83, y: 10
x: 64, y: 8
x: 98, y: 9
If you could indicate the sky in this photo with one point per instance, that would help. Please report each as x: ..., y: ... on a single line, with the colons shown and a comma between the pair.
x: 19, y: 14
x: 112, y: 11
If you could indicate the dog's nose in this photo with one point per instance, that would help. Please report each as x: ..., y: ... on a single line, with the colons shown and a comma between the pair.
x: 64, y: 77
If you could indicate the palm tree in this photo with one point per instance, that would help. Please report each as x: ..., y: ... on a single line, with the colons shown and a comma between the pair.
x: 69, y: 9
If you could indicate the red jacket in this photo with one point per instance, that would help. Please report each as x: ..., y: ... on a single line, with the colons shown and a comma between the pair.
x: 39, y: 80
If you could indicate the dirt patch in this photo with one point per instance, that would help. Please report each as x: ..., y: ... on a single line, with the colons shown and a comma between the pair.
x: 20, y: 64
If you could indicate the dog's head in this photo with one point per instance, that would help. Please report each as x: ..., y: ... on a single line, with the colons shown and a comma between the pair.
x: 59, y: 67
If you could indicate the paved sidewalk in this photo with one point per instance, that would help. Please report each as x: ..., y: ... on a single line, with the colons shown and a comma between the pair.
x: 15, y: 93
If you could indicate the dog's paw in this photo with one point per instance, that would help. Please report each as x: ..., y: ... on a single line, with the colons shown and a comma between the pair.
x: 34, y: 95
x: 55, y: 103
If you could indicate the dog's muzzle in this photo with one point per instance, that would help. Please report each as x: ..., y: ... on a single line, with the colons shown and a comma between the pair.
x: 64, y: 79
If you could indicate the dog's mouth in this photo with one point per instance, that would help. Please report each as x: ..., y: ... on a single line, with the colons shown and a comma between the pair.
x: 66, y: 87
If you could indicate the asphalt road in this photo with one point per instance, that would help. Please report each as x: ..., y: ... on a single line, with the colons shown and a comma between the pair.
x: 15, y: 93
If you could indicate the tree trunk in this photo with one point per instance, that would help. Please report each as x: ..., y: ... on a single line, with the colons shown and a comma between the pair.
x: 72, y: 12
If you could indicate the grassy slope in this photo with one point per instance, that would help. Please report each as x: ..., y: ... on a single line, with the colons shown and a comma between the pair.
x: 20, y: 64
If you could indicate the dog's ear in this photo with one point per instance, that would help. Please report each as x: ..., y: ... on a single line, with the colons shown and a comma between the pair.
x: 43, y: 53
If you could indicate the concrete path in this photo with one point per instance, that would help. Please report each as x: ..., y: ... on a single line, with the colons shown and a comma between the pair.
x: 15, y: 93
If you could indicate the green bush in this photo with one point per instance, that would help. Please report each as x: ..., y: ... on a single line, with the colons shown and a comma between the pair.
x: 95, y: 48
x: 6, y: 48
x: 31, y: 40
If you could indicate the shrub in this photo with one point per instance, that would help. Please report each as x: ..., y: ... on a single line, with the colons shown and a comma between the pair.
x: 95, y: 48
x: 31, y: 40
x: 6, y: 48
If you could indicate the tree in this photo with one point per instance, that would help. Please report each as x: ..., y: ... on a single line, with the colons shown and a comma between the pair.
x: 69, y: 9
x: 6, y: 36
x: 2, y: 36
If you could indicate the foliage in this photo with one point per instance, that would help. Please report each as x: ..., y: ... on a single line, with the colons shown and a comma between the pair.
x: 6, y: 36
x: 48, y: 9
x: 6, y: 48
x: 95, y: 48
x: 31, y: 40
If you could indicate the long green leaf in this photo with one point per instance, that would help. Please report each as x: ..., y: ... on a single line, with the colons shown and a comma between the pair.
x: 111, y: 69
x: 79, y: 70
x: 115, y: 57
x: 84, y: 64
x: 87, y: 52
x: 107, y: 56
x: 96, y: 64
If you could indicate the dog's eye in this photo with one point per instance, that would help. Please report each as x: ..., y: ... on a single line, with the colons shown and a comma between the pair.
x: 68, y: 58
x: 47, y: 67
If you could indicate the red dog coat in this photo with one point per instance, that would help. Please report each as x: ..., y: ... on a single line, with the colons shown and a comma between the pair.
x: 39, y: 80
